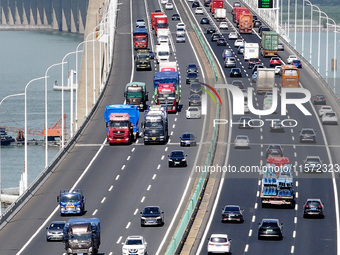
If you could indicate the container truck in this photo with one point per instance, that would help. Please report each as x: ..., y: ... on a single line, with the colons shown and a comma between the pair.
x: 155, y: 125
x: 215, y: 4
x: 140, y: 38
x: 251, y: 50
x: 135, y: 94
x: 245, y: 23
x: 168, y: 66
x: 71, y: 202
x: 167, y: 89
x: 82, y: 236
x: 121, y: 123
x: 220, y: 14
x: 265, y: 80
x: 269, y: 43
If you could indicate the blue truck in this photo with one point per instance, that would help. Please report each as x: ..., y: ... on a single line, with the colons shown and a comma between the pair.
x: 82, y: 236
x: 71, y: 202
x: 167, y: 90
x: 121, y: 123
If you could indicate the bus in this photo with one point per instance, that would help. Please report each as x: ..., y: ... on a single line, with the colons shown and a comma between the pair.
x: 290, y: 76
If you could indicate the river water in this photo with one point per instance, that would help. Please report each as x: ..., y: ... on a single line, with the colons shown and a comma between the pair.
x: 26, y: 55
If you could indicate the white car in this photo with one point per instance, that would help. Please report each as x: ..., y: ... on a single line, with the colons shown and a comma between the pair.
x: 193, y: 112
x: 223, y: 25
x: 164, y: 1
x: 324, y: 109
x: 246, y: 107
x: 162, y: 39
x: 169, y: 6
x: 232, y: 36
x: 140, y: 23
x: 291, y: 58
x: 199, y: 10
x: 180, y: 31
x: 277, y: 69
x: 181, y: 24
x: 134, y: 244
x: 238, y: 42
x: 242, y: 141
x: 329, y: 118
x: 180, y: 39
x: 219, y: 243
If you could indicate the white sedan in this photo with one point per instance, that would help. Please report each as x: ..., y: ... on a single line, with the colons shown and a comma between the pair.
x: 242, y: 141
x: 219, y: 243
x: 223, y: 25
x: 239, y: 42
x: 291, y: 58
x: 324, y: 109
x: 199, y: 10
x: 193, y: 113
x: 181, y: 24
x: 169, y: 6
x: 232, y: 35
x: 329, y: 118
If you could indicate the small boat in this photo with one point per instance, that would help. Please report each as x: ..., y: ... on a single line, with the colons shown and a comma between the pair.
x: 20, y: 136
x: 5, y: 139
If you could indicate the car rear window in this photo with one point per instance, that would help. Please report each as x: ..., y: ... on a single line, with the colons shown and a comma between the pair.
x: 219, y: 240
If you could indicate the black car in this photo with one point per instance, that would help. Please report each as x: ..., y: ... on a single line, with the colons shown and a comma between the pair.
x: 151, y: 54
x: 312, y: 164
x: 276, y: 126
x: 191, y: 77
x: 238, y: 84
x: 192, y: 68
x: 270, y: 228
x: 237, y: 4
x: 204, y: 21
x: 221, y: 42
x: 307, y: 135
x: 252, y: 62
x: 256, y: 66
x: 235, y: 72
x: 195, y: 4
x: 152, y: 215
x: 245, y: 122
x: 195, y: 88
x: 274, y: 150
x: 232, y: 213
x: 175, y: 16
x: 55, y: 231
x: 257, y: 23
x: 211, y: 30
x: 177, y: 158
x: 319, y: 99
x: 214, y: 37
x: 188, y: 139
x: 313, y: 207
x: 195, y: 100
x: 240, y: 49
x: 263, y: 28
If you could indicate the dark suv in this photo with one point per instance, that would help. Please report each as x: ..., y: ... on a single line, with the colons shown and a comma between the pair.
x: 270, y: 228
x: 232, y: 213
x: 252, y: 62
x: 215, y: 37
x: 152, y: 215
x: 313, y: 207
x: 307, y: 135
x: 195, y: 88
x: 177, y: 158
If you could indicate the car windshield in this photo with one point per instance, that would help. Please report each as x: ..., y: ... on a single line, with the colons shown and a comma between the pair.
x: 166, y: 95
x: 193, y: 109
x: 80, y: 237
x: 218, y: 240
x: 56, y: 226
x: 330, y: 114
x: 176, y: 154
x: 70, y: 198
x: 192, y: 75
x: 232, y: 208
x: 151, y: 210
x: 134, y: 242
x: 163, y: 53
x: 240, y: 138
x: 310, y: 132
x: 152, y: 124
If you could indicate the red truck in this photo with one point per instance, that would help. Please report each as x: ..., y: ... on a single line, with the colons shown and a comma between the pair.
x: 153, y: 20
x: 161, y: 22
x: 140, y: 38
x: 165, y: 95
x: 215, y: 4
x: 245, y: 23
x: 237, y: 11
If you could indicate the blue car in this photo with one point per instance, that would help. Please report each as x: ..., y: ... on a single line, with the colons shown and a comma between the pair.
x: 297, y: 63
x: 227, y: 53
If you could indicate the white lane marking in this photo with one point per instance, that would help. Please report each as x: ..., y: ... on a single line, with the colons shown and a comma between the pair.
x: 174, y: 125
x: 250, y: 232
x: 154, y: 176
x: 136, y: 211
x: 133, y: 149
x: 149, y: 187
x: 162, y: 158
x: 95, y: 212
x: 293, y: 138
x: 294, y: 234
x: 246, y: 248
x: 175, y: 119
x: 295, y: 219
x: 128, y: 158
x: 123, y: 167
x: 169, y: 140
x: 117, y: 177
x: 295, y: 154
x: 119, y: 239
x: 128, y: 225
x: 166, y: 149
x: 255, y: 206
x: 143, y: 198
x: 296, y: 207
x: 297, y: 194
x: 111, y: 187
x: 172, y: 132
x: 159, y: 166
x: 259, y: 182
x: 257, y: 193
x: 292, y: 249
x: 253, y: 218
x: 103, y: 200
x: 297, y: 183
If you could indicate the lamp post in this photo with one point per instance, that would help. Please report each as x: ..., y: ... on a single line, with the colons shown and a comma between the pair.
x: 26, y: 170
x: 13, y: 95
x: 46, y: 123
x: 319, y: 38
x: 295, y: 17
x: 334, y: 51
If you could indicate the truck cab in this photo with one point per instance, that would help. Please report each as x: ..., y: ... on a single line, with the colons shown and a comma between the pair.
x: 155, y: 125
x: 165, y: 95
x: 143, y: 60
x: 162, y: 53
x: 135, y: 94
x: 140, y: 38
x: 120, y: 128
x: 71, y: 202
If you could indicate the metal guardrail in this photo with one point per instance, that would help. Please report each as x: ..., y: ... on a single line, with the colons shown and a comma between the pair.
x: 20, y: 202
x: 176, y: 245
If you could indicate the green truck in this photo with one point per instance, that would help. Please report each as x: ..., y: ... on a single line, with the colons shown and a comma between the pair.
x: 135, y: 94
x: 143, y: 60
x: 269, y: 42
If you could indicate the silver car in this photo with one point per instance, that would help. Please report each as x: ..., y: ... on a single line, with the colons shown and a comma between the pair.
x: 193, y: 113
x: 55, y: 231
x: 242, y: 141
x: 232, y: 36
x: 229, y: 62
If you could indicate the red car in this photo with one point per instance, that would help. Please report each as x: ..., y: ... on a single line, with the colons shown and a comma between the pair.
x: 275, y: 61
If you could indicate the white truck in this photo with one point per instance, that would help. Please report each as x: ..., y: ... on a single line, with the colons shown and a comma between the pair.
x: 220, y: 14
x: 168, y: 66
x: 265, y: 80
x: 163, y: 35
x: 251, y: 50
x: 162, y: 53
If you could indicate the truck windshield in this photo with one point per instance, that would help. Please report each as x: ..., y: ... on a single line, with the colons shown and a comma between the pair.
x: 143, y: 57
x: 134, y: 94
x: 161, y: 25
x: 71, y: 198
x: 153, y: 132
x: 169, y: 95
x: 140, y: 39
x: 290, y: 72
x: 163, y: 53
x: 150, y: 124
x: 119, y: 124
x: 76, y: 238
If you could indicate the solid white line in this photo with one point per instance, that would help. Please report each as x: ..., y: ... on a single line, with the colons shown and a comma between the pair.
x: 95, y: 212
x: 103, y: 200
x: 120, y: 238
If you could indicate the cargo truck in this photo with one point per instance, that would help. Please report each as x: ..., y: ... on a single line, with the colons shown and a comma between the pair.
x: 155, y: 125
x: 220, y: 14
x: 140, y: 38
x: 162, y: 53
x: 245, y: 23
x: 135, y: 94
x: 269, y: 43
x: 143, y: 60
x: 215, y: 4
x: 167, y: 89
x: 82, y: 236
x: 153, y: 18
x: 161, y: 22
x: 237, y: 11
x: 251, y: 50
x: 71, y: 202
x: 265, y: 80
x: 121, y: 123
x: 168, y: 66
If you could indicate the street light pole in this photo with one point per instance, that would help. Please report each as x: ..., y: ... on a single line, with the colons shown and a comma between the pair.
x: 303, y: 26
x: 295, y: 24
x: 25, y: 177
